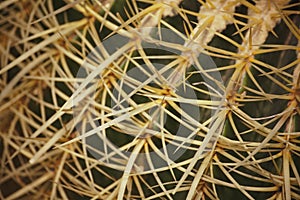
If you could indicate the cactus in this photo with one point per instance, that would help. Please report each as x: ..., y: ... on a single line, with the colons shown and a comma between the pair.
x: 165, y: 99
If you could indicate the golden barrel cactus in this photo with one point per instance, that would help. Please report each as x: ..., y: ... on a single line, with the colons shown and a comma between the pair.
x: 150, y: 99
